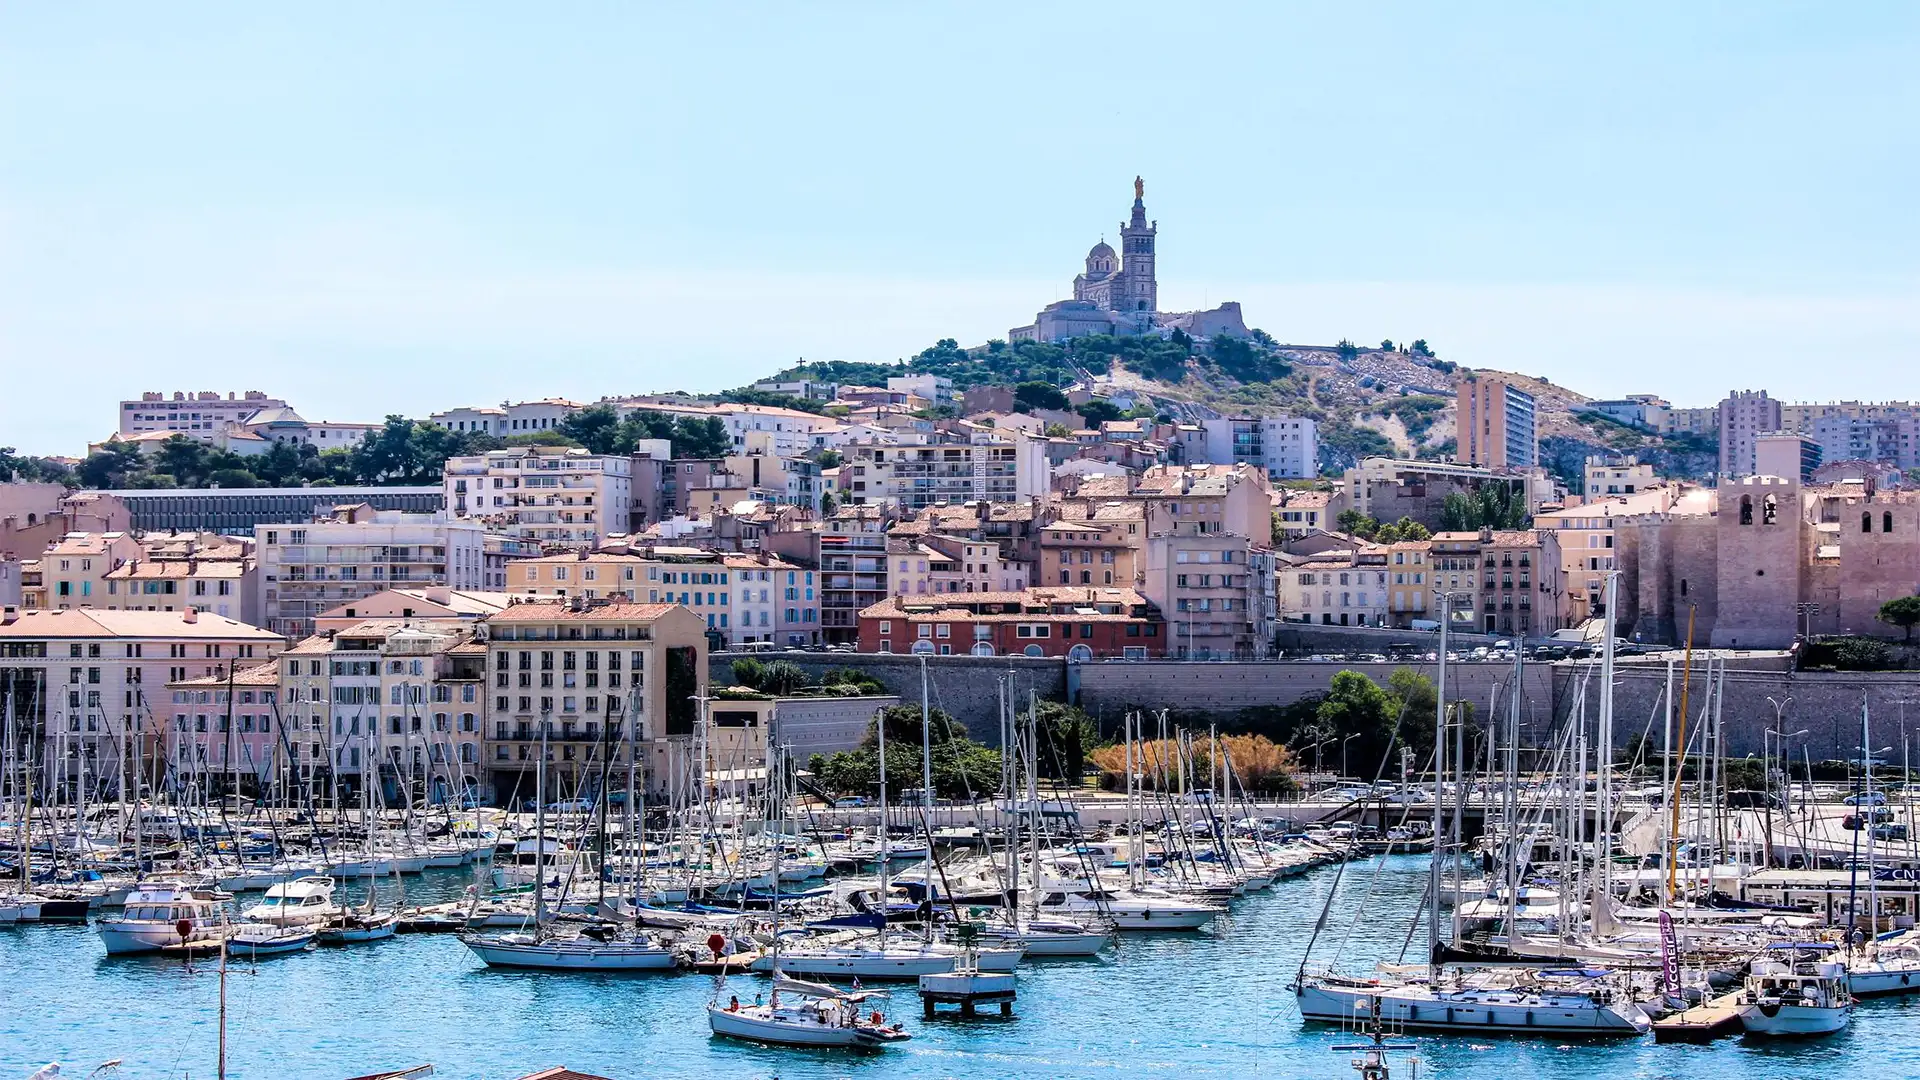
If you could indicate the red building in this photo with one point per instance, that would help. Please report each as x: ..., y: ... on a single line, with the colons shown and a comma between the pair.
x: 1087, y: 623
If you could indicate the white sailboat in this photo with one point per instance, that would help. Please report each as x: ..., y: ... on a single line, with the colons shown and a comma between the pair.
x: 813, y: 1014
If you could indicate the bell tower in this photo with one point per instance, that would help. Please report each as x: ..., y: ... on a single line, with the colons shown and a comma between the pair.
x: 1139, y: 291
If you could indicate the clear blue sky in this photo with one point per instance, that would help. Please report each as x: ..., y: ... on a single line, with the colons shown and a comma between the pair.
x: 403, y: 207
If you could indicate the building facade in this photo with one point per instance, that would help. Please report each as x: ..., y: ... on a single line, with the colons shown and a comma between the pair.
x: 1495, y: 424
x: 554, y: 495
x: 354, y: 552
x: 1745, y: 415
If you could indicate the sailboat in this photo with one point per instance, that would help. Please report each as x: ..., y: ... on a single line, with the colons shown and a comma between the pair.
x: 1796, y: 997
x: 598, y: 946
x: 813, y: 1014
x: 1538, y: 1001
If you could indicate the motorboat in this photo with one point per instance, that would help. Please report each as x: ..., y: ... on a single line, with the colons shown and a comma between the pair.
x: 811, y: 1014
x: 305, y: 901
x: 251, y: 940
x: 160, y: 914
x: 34, y: 907
x: 359, y: 927
x: 1796, y: 998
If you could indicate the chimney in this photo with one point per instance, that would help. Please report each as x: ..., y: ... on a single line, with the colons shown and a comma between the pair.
x: 190, y: 615
x: 9, y: 616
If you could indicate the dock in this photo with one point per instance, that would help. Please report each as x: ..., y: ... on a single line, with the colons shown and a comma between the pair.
x: 968, y: 989
x: 1709, y: 1020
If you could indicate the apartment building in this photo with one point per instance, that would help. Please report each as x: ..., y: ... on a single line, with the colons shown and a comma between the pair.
x: 354, y: 552
x: 1388, y: 489
x: 229, y: 587
x: 1786, y: 453
x: 933, y: 563
x: 1610, y: 478
x: 1745, y: 415
x: 1585, y: 535
x: 553, y: 495
x: 1287, y: 447
x: 510, y: 418
x: 774, y: 600
x: 1216, y: 591
x: 87, y: 687
x: 1302, y: 512
x: 788, y: 432
x: 1338, y: 587
x: 199, y: 414
x: 74, y: 569
x: 1494, y: 424
x: 393, y: 701
x: 1076, y: 623
x: 593, y: 676
x: 1518, y: 589
x: 235, y: 511
x: 952, y: 470
x: 849, y: 554
x: 1091, y: 553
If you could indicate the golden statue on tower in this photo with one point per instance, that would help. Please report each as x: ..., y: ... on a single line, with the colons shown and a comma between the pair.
x: 1139, y: 188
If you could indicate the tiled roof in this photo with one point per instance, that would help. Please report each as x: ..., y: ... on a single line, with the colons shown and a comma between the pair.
x: 563, y: 611
x: 99, y: 623
x: 267, y: 674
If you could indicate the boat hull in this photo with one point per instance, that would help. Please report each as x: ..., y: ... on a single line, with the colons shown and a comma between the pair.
x: 753, y: 1028
x: 1550, y: 1014
x: 1794, y: 1021
x: 570, y: 957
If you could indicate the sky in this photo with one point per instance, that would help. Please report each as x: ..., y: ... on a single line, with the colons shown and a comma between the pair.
x: 400, y: 208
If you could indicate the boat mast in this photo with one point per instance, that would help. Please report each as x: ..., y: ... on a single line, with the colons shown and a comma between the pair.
x: 1439, y: 753
x: 926, y: 751
x: 1679, y: 774
x: 1603, y: 760
x: 540, y: 831
x: 880, y: 731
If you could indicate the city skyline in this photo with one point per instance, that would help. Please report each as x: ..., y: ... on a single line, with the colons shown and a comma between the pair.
x: 472, y: 210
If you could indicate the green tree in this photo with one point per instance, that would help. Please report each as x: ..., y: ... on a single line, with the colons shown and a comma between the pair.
x: 784, y: 677
x: 1039, y: 395
x: 1065, y: 736
x: 851, y: 682
x: 826, y: 504
x: 1419, y: 348
x: 231, y: 478
x: 1406, y: 529
x: 111, y: 466
x: 183, y: 458
x: 1356, y: 523
x: 703, y: 437
x: 1347, y: 350
x: 597, y: 428
x: 1099, y: 411
x: 1356, y: 705
x: 1903, y: 612
x: 748, y: 672
x: 1058, y: 431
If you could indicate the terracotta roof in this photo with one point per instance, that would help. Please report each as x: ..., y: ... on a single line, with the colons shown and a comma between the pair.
x: 538, y: 611
x: 1517, y: 538
x: 311, y: 646
x: 267, y: 674
x: 1307, y: 499
x: 100, y: 623
x: 947, y: 607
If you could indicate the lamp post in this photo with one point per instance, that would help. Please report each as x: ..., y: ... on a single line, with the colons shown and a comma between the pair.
x: 1343, y: 752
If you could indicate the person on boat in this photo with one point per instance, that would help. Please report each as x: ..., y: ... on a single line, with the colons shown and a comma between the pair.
x: 733, y: 1003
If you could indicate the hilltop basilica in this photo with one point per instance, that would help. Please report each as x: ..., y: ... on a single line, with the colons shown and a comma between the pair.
x: 1119, y: 294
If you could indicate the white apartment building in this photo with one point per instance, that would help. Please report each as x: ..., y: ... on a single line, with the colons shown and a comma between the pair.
x: 408, y: 700
x: 509, y: 418
x: 306, y: 569
x: 1288, y: 447
x: 1332, y: 589
x: 789, y: 432
x: 1610, y: 478
x: 201, y: 413
x: 554, y: 495
x: 914, y: 475
x: 935, y: 388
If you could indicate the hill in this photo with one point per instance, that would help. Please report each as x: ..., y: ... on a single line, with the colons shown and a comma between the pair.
x: 1393, y: 399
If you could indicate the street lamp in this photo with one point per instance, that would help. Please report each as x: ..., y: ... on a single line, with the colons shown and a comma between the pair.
x: 1786, y: 760
x: 1343, y: 752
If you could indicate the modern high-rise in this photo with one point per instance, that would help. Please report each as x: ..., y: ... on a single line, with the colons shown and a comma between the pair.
x: 1745, y: 415
x: 1494, y: 424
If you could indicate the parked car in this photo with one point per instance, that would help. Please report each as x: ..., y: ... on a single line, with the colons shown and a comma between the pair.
x: 1889, y: 832
x: 1866, y: 798
x: 570, y: 806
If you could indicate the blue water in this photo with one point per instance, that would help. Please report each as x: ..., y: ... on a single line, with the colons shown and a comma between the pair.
x: 1189, y: 1007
